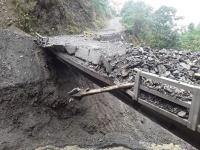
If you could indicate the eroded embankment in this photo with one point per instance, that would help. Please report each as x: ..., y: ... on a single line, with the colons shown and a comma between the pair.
x: 35, y: 110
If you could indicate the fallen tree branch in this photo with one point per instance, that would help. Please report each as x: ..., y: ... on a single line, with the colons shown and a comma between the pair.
x: 85, y: 92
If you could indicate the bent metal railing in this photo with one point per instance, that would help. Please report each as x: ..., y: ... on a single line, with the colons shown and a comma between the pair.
x: 193, y: 121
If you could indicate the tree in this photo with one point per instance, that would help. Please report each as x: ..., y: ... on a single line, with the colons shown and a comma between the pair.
x: 164, y: 29
x: 153, y: 28
x: 136, y: 16
x: 190, y: 39
x: 102, y: 8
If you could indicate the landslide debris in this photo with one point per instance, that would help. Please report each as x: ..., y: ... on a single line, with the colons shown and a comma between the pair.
x: 35, y: 110
x: 173, y: 64
x: 178, y: 65
x: 118, y: 60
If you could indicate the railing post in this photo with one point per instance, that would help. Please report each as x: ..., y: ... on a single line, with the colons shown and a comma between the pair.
x: 137, y: 85
x: 194, y: 113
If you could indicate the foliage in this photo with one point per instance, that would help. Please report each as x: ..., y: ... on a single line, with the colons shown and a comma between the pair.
x: 153, y: 28
x: 190, y: 39
x: 133, y: 12
x: 136, y: 17
x: 25, y: 20
x: 102, y: 11
x: 164, y: 31
x: 102, y: 8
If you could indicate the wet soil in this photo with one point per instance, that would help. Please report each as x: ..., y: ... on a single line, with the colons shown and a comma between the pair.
x: 35, y: 109
x: 95, y: 121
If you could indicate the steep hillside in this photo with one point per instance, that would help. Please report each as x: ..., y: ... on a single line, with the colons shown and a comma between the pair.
x: 54, y: 16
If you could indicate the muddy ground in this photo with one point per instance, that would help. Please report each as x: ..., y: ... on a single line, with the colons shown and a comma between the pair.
x: 35, y: 109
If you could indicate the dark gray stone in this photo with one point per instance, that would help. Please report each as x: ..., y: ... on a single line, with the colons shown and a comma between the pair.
x: 162, y: 69
x: 106, y: 64
x: 125, y: 73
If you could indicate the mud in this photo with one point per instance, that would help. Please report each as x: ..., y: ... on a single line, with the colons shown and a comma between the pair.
x: 35, y: 109
x: 96, y: 121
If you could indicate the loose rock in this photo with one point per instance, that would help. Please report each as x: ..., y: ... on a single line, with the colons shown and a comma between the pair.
x: 182, y: 114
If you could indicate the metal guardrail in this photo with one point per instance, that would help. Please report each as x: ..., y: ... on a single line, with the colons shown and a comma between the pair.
x: 193, y: 122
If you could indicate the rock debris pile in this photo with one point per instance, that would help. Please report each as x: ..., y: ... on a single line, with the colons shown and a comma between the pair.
x: 178, y: 65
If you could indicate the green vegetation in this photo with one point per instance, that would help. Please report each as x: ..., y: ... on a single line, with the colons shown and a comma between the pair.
x: 158, y: 28
x: 136, y: 18
x: 164, y: 29
x: 102, y: 8
x: 190, y: 39
x: 153, y: 28
x: 102, y: 11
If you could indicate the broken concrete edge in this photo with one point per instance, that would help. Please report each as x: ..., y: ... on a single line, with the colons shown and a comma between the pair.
x: 89, y: 55
x: 83, y: 53
x: 69, y: 49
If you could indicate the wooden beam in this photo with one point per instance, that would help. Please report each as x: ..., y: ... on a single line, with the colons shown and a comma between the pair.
x: 87, y: 92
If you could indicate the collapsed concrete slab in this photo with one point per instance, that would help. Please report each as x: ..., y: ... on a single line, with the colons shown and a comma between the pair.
x: 88, y: 49
x: 94, y: 121
x: 94, y: 57
x: 89, y: 54
x: 82, y: 53
x: 71, y: 49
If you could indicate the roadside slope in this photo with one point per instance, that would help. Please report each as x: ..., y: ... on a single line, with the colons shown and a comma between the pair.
x: 53, y: 16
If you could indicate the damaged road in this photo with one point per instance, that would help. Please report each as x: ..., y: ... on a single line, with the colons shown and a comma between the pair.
x: 118, y: 61
x: 35, y: 108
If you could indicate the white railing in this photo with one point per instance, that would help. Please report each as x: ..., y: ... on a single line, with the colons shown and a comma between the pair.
x: 193, y: 120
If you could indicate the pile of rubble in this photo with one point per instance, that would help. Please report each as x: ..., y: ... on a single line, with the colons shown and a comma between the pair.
x: 178, y: 65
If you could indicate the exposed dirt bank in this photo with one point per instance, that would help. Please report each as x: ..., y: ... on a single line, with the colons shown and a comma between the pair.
x: 52, y: 16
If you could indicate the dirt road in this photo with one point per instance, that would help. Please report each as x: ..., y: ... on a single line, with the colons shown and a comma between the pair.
x: 114, y: 26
